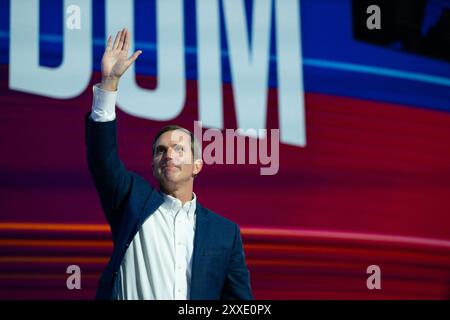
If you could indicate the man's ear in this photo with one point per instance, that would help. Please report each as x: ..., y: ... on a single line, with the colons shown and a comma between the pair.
x: 198, y: 165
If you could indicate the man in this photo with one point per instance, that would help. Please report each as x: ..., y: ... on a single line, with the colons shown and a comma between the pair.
x: 166, y: 245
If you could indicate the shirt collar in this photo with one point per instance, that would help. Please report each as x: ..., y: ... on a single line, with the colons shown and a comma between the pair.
x: 173, y: 205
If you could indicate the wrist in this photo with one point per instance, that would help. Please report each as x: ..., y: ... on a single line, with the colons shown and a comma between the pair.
x: 109, y: 83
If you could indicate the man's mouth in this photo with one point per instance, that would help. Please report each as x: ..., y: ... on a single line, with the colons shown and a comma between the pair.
x: 170, y: 166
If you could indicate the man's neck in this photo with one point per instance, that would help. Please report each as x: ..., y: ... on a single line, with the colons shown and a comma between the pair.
x: 182, y: 194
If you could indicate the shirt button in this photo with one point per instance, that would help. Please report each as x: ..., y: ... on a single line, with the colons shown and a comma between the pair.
x: 179, y: 243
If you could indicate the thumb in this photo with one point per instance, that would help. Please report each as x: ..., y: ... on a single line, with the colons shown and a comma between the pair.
x: 134, y: 56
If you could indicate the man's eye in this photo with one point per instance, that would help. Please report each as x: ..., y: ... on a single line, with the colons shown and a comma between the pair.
x: 179, y: 148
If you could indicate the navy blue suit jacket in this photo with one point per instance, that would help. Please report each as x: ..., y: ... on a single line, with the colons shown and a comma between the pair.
x: 219, y: 270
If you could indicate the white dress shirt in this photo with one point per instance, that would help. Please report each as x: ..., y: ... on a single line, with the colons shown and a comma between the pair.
x: 158, y: 262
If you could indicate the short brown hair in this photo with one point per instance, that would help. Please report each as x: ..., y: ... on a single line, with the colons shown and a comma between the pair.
x: 195, y: 145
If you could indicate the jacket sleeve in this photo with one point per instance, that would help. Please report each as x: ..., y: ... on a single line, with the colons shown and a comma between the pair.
x: 237, y: 283
x: 111, y: 179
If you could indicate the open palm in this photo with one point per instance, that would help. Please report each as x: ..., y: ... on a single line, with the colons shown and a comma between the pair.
x: 115, y: 60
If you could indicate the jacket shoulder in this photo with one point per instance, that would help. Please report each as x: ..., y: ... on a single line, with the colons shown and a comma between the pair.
x: 219, y: 219
x: 140, y: 189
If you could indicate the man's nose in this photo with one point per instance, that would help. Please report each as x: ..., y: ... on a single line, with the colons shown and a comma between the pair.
x: 170, y: 153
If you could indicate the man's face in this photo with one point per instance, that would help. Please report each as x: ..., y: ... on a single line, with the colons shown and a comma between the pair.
x: 173, y: 161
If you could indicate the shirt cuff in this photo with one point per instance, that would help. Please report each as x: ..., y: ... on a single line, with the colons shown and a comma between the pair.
x: 103, y: 104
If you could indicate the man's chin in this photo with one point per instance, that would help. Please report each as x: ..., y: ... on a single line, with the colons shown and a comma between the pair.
x: 169, y: 178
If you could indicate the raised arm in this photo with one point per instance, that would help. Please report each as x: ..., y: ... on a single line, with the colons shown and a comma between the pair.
x: 111, y: 179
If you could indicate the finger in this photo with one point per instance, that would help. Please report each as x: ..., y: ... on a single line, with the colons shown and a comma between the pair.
x: 116, y: 40
x: 127, y: 41
x: 109, y: 44
x: 122, y: 36
x: 134, y: 56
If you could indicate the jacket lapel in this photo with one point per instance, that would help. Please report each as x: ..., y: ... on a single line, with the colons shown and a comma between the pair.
x: 151, y: 205
x: 200, y: 239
